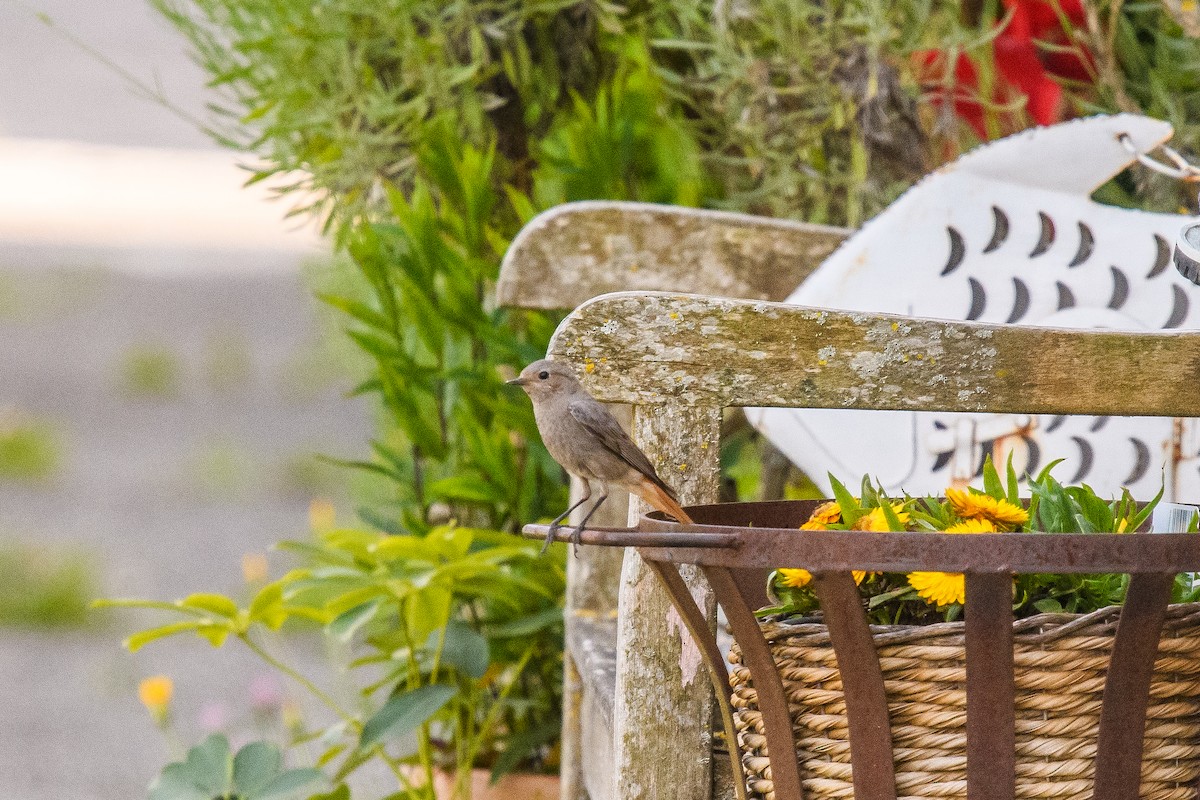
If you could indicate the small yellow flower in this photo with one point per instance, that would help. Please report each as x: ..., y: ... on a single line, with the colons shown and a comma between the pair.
x: 321, y: 515
x: 795, y: 578
x: 970, y: 505
x: 944, y: 588
x: 826, y: 513
x: 939, y: 588
x: 799, y: 578
x: 155, y: 693
x: 254, y: 567
x: 874, y: 520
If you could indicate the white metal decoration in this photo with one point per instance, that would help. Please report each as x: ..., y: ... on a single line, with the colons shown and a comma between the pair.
x: 1009, y: 234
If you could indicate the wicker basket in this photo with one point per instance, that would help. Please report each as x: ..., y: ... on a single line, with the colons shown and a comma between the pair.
x: 1061, y: 661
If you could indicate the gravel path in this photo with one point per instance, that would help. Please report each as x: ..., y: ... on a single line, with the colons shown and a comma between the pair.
x: 163, y: 493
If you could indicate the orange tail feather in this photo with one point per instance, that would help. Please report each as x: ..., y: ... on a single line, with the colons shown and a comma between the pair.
x: 653, y: 494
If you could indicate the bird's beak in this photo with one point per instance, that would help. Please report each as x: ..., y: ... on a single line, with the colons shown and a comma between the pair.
x: 516, y: 382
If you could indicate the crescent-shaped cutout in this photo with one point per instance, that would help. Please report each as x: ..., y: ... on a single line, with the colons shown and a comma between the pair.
x: 1055, y: 423
x: 1141, y: 463
x: 1179, y: 307
x: 1162, y: 257
x: 1120, y: 289
x: 978, y: 300
x: 1035, y: 457
x: 1045, y: 237
x: 1066, y: 298
x: 1020, y: 300
x: 1086, y: 456
x: 999, y: 229
x: 958, y: 251
x: 1087, y: 243
x: 1098, y: 424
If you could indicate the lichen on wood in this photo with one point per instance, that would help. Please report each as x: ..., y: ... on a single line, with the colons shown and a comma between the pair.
x: 658, y: 348
x: 579, y: 250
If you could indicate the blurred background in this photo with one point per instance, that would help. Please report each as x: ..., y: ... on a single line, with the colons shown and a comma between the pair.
x: 163, y: 389
x: 167, y: 377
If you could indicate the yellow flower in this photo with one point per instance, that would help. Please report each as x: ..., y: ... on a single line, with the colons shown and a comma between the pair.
x: 874, y: 520
x: 824, y: 515
x: 944, y: 588
x: 939, y: 588
x: 795, y: 578
x: 321, y: 515
x: 970, y: 505
x: 155, y: 693
x: 972, y: 526
x: 254, y: 567
x: 799, y: 578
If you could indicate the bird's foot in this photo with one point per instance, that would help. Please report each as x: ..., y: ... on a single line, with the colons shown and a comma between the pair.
x: 576, y: 539
x: 550, y: 535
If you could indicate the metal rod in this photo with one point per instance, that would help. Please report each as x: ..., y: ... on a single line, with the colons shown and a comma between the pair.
x: 697, y: 625
x: 991, y: 709
x: 874, y: 771
x: 633, y: 537
x: 1127, y: 688
x: 772, y: 700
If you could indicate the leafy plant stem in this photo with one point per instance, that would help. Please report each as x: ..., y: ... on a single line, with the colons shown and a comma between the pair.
x: 311, y: 687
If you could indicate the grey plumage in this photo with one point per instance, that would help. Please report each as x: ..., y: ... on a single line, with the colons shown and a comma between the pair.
x: 588, y: 442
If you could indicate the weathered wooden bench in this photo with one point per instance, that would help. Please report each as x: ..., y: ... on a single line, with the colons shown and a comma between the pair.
x: 561, y: 259
x: 639, y: 721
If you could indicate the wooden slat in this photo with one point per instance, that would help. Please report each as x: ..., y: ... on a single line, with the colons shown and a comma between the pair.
x: 579, y: 250
x: 664, y: 702
x: 991, y: 692
x: 873, y: 770
x: 1127, y: 687
x: 656, y: 348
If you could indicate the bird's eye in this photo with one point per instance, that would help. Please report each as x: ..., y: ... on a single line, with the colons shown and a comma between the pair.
x: 543, y: 375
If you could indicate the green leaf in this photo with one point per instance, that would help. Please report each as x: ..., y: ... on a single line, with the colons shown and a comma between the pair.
x: 341, y: 792
x: 214, y: 603
x: 463, y: 649
x: 345, y: 625
x: 175, y: 783
x: 292, y: 784
x: 254, y: 766
x: 405, y: 712
x: 142, y: 638
x: 851, y: 510
x: 991, y: 480
x: 360, y: 311
x: 267, y: 606
x: 427, y: 610
x: 210, y: 764
x: 525, y: 625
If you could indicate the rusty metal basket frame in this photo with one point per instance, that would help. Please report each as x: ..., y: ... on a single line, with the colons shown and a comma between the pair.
x: 736, y: 544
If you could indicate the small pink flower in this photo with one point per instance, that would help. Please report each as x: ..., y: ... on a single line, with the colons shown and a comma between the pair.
x: 213, y: 717
x: 266, y: 695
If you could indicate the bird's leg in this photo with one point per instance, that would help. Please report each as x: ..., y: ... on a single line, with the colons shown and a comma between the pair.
x: 578, y: 532
x: 556, y: 523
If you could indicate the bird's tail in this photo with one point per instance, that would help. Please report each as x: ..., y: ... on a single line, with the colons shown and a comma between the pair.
x: 656, y: 496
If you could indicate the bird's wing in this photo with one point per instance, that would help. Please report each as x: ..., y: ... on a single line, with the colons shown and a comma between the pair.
x: 596, y: 419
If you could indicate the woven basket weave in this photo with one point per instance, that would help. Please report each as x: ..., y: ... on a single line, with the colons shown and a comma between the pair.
x: 1060, y: 660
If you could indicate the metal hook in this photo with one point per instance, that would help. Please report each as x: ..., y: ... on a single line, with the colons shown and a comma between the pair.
x: 1182, y: 170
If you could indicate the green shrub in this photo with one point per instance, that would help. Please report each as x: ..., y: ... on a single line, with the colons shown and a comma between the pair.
x: 30, y: 449
x: 44, y: 587
x: 425, y: 134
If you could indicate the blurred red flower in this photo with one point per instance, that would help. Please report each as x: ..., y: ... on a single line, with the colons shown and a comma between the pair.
x: 1033, y: 53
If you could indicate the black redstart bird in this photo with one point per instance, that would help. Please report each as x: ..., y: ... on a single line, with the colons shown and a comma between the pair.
x: 589, y: 443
